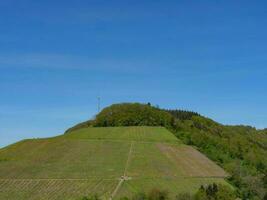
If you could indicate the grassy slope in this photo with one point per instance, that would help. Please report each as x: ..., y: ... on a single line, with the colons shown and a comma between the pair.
x: 93, y: 159
x: 143, y: 134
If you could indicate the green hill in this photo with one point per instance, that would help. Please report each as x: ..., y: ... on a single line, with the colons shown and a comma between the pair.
x: 128, y: 148
x: 109, y: 161
x: 240, y: 150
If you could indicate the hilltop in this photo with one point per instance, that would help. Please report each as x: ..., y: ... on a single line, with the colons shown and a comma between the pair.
x: 128, y: 114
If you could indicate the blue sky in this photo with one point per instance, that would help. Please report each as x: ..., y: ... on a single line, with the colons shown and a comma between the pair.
x: 57, y: 57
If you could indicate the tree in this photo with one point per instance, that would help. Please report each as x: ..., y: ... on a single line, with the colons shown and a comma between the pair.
x: 264, y: 180
x: 201, y: 194
x: 225, y: 193
x: 133, y: 114
x: 215, y: 192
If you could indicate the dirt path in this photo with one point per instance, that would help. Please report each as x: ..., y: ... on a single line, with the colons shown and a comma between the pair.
x: 124, y: 177
x: 128, y: 159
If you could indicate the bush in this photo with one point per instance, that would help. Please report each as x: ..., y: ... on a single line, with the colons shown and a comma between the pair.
x: 156, y: 194
x: 184, y: 196
x: 124, y: 198
x: 215, y: 192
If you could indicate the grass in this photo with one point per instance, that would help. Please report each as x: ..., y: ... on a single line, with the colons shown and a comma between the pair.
x: 141, y: 134
x: 62, y: 158
x: 92, y: 160
x: 54, y: 189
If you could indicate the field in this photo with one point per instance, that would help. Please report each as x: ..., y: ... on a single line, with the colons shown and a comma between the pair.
x: 141, y: 134
x: 112, y: 162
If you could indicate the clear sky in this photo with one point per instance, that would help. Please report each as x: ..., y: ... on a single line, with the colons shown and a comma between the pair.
x: 57, y: 57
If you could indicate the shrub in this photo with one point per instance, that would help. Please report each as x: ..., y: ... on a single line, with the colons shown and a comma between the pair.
x: 215, y: 192
x: 184, y: 196
x: 156, y: 194
x: 124, y: 198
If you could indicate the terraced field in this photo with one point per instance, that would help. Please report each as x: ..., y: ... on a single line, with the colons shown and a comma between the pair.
x: 112, y: 162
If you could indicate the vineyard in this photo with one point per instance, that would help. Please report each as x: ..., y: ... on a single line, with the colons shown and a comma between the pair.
x: 107, y: 161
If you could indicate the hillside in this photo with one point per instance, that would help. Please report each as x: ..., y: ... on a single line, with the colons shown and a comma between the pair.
x: 113, y: 162
x: 240, y: 150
